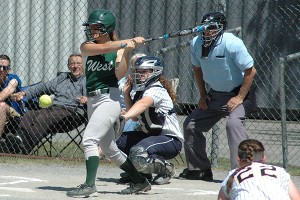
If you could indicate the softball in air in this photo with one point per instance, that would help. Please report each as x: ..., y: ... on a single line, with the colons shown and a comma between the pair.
x: 45, y: 101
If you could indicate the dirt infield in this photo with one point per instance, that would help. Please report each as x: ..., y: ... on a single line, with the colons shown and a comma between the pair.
x: 37, y: 179
x: 48, y: 179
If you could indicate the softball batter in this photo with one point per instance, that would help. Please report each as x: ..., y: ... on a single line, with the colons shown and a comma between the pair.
x: 107, y: 62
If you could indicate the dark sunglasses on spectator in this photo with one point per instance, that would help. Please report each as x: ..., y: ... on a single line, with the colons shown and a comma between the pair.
x: 3, y: 67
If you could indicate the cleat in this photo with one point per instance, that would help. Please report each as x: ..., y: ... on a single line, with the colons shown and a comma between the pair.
x: 162, y: 179
x: 83, y: 191
x: 205, y: 175
x: 125, y: 178
x: 135, y: 188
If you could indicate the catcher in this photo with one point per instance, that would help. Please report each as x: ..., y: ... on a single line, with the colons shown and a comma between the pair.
x: 159, y: 138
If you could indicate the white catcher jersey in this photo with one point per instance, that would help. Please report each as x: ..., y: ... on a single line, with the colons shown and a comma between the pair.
x: 163, y: 104
x: 258, y: 181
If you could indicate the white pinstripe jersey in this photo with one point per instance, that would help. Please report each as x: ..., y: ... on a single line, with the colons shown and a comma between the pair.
x: 163, y: 104
x: 258, y: 181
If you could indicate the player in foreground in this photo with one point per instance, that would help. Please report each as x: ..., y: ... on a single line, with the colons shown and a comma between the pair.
x: 159, y: 138
x: 107, y: 62
x: 256, y: 180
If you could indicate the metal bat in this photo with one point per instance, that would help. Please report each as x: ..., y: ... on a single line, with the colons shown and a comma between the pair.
x: 181, y: 33
x: 165, y: 50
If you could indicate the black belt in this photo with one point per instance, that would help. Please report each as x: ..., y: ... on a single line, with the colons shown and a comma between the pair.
x: 98, y: 92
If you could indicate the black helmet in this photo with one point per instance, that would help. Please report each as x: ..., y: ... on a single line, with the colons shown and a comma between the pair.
x: 217, y: 22
x: 215, y: 17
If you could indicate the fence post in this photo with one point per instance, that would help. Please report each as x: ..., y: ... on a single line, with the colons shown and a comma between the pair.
x: 215, y: 145
x: 283, y: 114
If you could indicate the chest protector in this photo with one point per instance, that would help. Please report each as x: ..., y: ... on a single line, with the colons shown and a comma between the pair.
x: 151, y: 121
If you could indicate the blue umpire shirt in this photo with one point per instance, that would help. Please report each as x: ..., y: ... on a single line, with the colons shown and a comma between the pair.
x: 224, y: 68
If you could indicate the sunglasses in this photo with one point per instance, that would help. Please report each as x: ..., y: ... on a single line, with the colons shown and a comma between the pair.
x: 4, y: 67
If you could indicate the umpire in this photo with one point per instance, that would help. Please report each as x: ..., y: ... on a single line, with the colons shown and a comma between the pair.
x: 221, y: 61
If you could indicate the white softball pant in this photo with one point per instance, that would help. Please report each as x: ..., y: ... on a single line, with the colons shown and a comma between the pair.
x: 103, y: 110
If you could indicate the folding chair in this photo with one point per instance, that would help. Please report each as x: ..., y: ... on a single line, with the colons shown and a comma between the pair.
x: 69, y: 130
x: 79, y: 132
x: 75, y: 139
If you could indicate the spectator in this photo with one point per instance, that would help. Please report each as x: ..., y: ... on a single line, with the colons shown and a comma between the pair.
x: 221, y: 61
x: 160, y: 138
x: 107, y: 62
x: 256, y: 180
x: 68, y: 109
x: 9, y: 83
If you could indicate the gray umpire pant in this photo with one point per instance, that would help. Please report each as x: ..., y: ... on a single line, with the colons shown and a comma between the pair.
x: 200, y: 121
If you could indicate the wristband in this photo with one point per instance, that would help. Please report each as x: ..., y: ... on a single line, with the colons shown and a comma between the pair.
x: 123, y: 45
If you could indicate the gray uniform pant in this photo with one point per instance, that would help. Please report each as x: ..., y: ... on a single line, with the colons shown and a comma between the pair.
x: 200, y: 121
x: 103, y: 111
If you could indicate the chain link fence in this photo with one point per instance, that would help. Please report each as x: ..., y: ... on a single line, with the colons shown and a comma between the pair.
x: 40, y: 35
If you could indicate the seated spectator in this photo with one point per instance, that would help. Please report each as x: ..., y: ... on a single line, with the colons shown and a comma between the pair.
x: 67, y: 111
x: 256, y: 180
x: 9, y: 83
x: 159, y: 138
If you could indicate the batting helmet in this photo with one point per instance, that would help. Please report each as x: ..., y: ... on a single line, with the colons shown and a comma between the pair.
x: 217, y: 23
x: 104, y: 20
x: 152, y: 63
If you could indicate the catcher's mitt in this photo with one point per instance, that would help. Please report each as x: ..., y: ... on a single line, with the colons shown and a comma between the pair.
x: 119, y: 126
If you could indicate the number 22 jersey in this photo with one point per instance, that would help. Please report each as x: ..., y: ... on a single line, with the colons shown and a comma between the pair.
x: 258, y: 181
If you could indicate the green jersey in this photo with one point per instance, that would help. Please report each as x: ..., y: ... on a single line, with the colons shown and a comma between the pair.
x: 100, y: 71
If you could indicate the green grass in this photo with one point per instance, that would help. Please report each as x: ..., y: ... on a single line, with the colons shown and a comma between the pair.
x: 71, y: 152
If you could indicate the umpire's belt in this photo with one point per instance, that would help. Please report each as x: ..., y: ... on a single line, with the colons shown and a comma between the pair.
x: 98, y: 92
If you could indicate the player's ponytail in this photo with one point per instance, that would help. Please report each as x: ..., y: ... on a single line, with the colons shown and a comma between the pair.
x: 248, y: 151
x: 168, y: 87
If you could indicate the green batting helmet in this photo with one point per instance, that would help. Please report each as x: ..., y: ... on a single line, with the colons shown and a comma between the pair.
x: 103, y: 18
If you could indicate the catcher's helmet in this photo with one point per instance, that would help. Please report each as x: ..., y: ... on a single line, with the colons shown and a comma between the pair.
x: 102, y: 19
x: 141, y: 80
x: 217, y: 24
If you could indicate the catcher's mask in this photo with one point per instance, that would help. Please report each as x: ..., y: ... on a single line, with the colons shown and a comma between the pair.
x: 147, y: 70
x: 217, y: 25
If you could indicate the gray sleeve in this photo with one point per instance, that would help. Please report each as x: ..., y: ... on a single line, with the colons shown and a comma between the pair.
x: 42, y: 88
